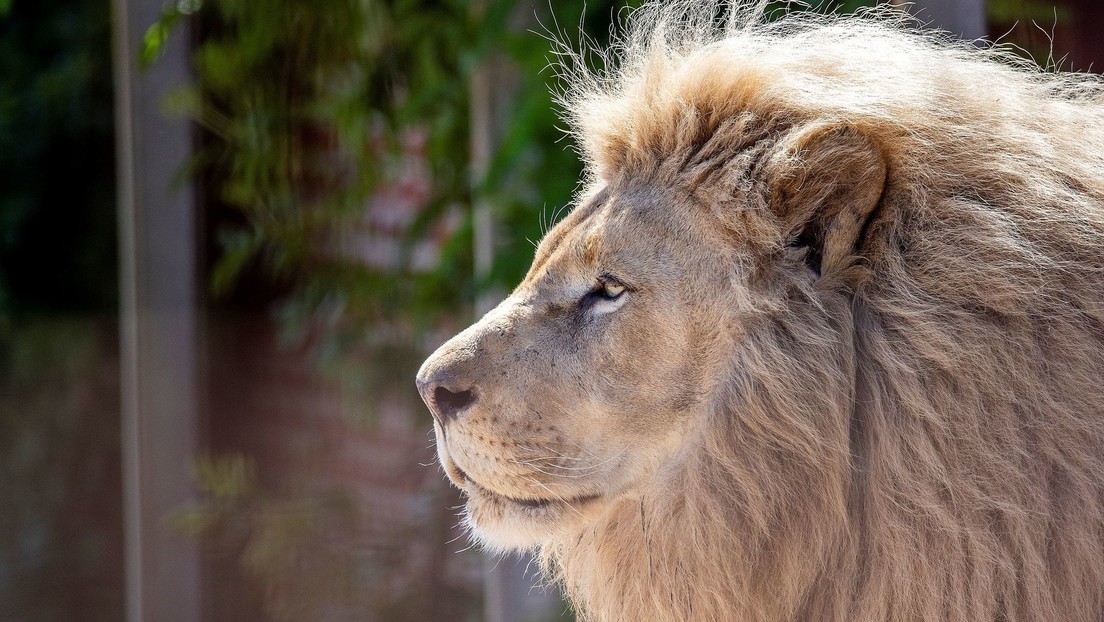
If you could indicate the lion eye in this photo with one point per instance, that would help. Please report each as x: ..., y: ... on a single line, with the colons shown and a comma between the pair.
x: 610, y: 290
x: 606, y: 295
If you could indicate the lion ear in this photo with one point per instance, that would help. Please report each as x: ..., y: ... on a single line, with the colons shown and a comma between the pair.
x: 825, y: 183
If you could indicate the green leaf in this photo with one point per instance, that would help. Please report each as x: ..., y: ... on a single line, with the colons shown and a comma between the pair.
x: 153, y: 43
x: 239, y: 249
x: 226, y: 477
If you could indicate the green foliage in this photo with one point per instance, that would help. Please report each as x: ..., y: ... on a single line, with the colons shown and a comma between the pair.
x: 1043, y: 12
x: 154, y: 41
x: 57, y: 210
x: 310, y: 108
x: 307, y: 106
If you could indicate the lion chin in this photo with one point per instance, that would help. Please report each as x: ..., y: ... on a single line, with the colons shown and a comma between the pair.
x: 505, y: 524
x: 502, y: 522
x: 821, y: 340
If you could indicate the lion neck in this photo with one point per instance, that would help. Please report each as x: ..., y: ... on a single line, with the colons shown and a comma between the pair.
x: 709, y: 540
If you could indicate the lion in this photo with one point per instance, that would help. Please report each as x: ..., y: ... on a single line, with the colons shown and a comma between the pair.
x: 821, y: 340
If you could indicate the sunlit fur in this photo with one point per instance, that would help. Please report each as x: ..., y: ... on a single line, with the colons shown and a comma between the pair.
x: 917, y: 434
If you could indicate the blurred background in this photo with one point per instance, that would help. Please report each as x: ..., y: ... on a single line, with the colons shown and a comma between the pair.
x: 230, y: 230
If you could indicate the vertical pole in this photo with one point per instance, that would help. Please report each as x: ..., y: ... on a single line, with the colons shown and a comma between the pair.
x: 157, y: 317
x: 482, y: 149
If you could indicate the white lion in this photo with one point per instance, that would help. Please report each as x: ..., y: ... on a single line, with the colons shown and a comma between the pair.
x: 822, y: 340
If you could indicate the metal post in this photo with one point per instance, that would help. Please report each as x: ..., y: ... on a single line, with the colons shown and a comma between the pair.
x: 157, y: 315
x: 483, y: 140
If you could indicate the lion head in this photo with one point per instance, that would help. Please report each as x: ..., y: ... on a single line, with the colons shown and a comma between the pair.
x: 821, y: 340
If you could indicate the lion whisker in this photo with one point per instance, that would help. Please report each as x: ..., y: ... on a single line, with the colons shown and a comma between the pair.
x: 577, y: 446
x: 552, y: 461
x: 554, y: 494
x: 563, y: 475
x: 558, y: 455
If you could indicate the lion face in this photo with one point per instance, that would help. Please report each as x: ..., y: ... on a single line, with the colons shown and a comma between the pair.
x: 578, y: 386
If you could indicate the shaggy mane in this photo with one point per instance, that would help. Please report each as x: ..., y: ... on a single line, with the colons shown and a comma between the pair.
x: 924, y: 440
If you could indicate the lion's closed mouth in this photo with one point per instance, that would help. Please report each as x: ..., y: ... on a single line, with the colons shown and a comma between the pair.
x: 470, y: 486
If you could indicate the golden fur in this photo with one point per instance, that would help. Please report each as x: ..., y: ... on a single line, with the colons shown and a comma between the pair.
x: 857, y: 372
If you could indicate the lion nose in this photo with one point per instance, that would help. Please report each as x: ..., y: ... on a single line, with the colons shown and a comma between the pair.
x: 444, y: 402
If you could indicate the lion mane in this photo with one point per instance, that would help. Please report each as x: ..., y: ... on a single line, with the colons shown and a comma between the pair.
x: 944, y: 459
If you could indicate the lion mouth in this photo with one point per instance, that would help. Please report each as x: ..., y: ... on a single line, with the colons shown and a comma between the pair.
x: 473, y: 488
